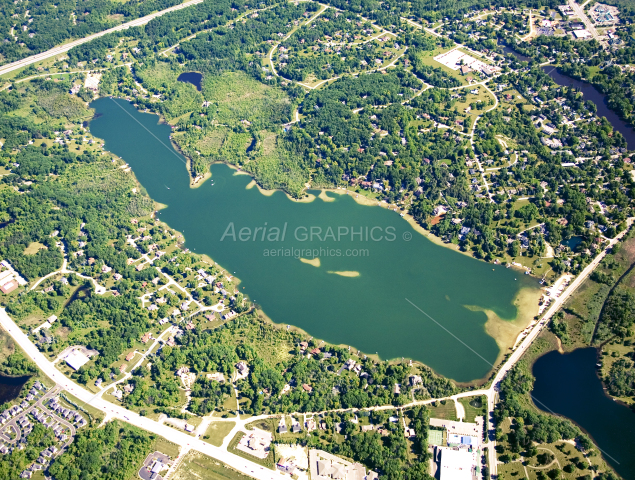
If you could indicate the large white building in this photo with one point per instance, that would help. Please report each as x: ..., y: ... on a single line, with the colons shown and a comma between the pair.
x: 76, y: 359
x: 455, y: 465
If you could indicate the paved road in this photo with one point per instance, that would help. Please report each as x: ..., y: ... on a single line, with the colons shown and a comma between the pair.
x: 113, y: 411
x: 533, y: 334
x: 253, y: 469
x: 579, y: 11
x: 67, y: 46
x: 41, y: 403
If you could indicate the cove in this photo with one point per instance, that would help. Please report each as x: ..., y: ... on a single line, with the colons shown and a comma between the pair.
x: 10, y: 387
x: 407, y: 295
x: 568, y: 385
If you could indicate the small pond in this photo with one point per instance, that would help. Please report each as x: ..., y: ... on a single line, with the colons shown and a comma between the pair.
x: 194, y: 78
x: 10, y: 387
x: 573, y: 242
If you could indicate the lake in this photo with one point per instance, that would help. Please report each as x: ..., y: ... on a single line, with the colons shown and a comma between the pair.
x: 10, y: 387
x: 194, y: 78
x: 411, y: 298
x: 568, y: 385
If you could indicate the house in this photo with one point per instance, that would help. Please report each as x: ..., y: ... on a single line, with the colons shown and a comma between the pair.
x: 122, y: 368
x: 146, y: 338
x: 415, y: 380
x: 243, y: 369
x: 465, y: 69
x: 439, y: 210
x: 286, y: 466
x: 282, y: 426
x: 307, y: 388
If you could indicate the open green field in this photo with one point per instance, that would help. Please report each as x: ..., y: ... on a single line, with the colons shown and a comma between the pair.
x: 582, y: 309
x: 196, y: 466
x: 217, y: 431
x: 165, y: 446
x: 447, y: 411
x: 427, y: 58
x: 474, y: 407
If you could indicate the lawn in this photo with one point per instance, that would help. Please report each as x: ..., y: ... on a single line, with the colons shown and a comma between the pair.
x: 165, y: 446
x: 474, y: 407
x: 196, y: 466
x: 427, y: 58
x: 447, y: 411
x: 217, y: 431
x: 33, y: 248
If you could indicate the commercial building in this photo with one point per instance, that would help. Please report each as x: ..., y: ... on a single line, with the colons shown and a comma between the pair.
x: 76, y: 359
x: 455, y: 465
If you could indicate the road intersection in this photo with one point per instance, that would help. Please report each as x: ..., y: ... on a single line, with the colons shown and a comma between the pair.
x: 187, y: 442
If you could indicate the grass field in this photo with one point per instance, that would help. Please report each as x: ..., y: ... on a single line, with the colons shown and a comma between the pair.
x: 582, y: 309
x: 33, y: 248
x: 217, y: 431
x: 428, y: 59
x: 474, y: 407
x: 447, y: 411
x: 165, y: 446
x: 196, y: 466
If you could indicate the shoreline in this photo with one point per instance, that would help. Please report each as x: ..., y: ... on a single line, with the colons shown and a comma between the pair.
x: 493, y: 324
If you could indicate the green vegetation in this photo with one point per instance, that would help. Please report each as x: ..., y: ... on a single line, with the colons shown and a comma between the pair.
x: 14, y: 463
x: 196, y: 466
x: 217, y: 431
x: 50, y: 23
x: 115, y: 451
x: 474, y: 407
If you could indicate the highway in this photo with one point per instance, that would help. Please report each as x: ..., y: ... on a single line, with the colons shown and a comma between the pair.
x: 588, y: 24
x: 533, y: 334
x: 113, y: 411
x: 247, y: 467
x: 9, y: 67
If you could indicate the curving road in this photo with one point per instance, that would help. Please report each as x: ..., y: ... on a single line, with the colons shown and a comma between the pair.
x: 247, y: 467
x: 67, y: 46
x: 184, y: 440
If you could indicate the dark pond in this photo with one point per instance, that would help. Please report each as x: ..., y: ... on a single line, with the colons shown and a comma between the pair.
x: 573, y: 242
x: 568, y: 385
x: 10, y: 387
x: 194, y: 78
x: 81, y: 292
x: 590, y: 93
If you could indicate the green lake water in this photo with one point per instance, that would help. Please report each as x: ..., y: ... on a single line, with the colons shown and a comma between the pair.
x: 369, y: 312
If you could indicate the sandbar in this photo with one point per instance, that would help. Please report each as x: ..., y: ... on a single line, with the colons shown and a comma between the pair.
x: 315, y: 261
x: 346, y: 273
